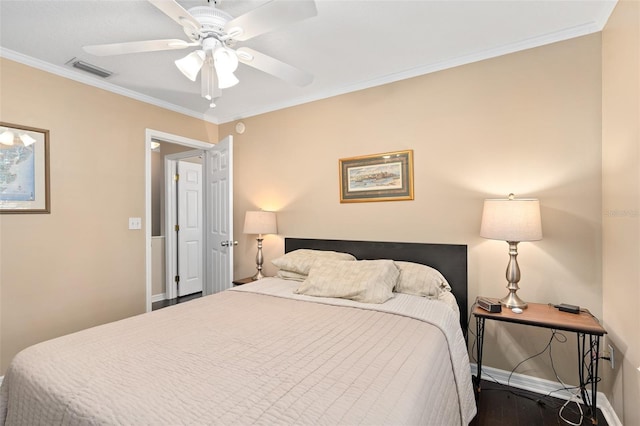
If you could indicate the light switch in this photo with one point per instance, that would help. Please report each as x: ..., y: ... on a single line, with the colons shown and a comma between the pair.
x: 135, y: 223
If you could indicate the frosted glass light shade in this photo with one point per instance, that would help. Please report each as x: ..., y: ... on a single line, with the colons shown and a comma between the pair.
x: 511, y: 220
x: 227, y: 80
x: 260, y: 222
x: 190, y: 65
x: 226, y: 62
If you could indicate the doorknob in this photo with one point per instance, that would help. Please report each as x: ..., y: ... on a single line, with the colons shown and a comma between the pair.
x: 228, y: 243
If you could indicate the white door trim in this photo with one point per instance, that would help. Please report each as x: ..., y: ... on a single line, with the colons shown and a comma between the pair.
x: 151, y: 136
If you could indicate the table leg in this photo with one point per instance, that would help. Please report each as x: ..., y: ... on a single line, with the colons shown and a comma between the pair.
x: 479, y: 346
x: 588, y: 371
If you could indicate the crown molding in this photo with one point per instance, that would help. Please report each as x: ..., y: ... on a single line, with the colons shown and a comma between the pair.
x: 566, y: 34
x: 218, y: 117
x: 92, y: 81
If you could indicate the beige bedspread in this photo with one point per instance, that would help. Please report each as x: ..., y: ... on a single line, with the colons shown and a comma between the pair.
x: 241, y: 357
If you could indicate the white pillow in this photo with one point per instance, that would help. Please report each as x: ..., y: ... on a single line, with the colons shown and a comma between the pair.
x: 420, y: 280
x: 301, y: 260
x: 367, y: 281
x: 288, y: 275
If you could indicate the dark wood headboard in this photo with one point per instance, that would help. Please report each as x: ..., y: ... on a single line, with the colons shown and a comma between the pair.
x: 449, y: 259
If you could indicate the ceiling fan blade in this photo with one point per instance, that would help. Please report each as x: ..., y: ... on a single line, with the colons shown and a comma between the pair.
x: 176, y: 12
x: 270, y: 16
x: 136, y: 46
x: 274, y: 67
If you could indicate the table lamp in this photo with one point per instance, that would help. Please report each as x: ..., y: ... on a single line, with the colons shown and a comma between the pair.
x: 512, y: 220
x: 260, y: 222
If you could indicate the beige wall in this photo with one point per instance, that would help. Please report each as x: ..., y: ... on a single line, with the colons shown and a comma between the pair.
x: 621, y: 203
x: 78, y: 266
x: 527, y: 123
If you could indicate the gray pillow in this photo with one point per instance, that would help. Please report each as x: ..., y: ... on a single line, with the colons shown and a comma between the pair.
x: 301, y: 260
x: 420, y: 280
x: 367, y: 281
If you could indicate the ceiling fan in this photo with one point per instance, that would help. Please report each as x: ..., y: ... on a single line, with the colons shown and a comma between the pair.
x: 215, y: 32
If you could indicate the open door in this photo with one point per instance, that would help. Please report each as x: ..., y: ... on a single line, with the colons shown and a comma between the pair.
x: 218, y: 198
x: 184, y: 223
x: 220, y: 159
x: 190, y: 229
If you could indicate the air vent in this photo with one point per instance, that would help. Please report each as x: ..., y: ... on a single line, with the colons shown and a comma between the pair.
x: 90, y: 68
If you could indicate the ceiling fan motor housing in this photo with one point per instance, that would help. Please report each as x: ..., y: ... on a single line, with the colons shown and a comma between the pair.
x: 212, y: 20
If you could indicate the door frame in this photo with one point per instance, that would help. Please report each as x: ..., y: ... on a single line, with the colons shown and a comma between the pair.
x: 170, y: 202
x: 152, y: 135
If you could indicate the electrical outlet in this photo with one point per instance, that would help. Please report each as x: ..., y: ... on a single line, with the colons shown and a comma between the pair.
x: 612, y: 358
x: 609, y: 356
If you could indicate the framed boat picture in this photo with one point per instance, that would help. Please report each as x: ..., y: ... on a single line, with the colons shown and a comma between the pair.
x: 377, y: 177
x: 24, y: 169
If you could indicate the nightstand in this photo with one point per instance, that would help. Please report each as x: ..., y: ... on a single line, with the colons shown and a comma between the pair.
x: 243, y: 281
x: 587, y: 328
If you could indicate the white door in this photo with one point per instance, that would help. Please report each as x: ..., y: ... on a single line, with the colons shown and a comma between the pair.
x: 219, y: 243
x: 190, y: 228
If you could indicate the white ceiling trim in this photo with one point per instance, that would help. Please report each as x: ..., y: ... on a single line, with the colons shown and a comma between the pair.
x: 606, y: 13
x: 92, y: 81
x: 578, y: 31
x: 212, y: 117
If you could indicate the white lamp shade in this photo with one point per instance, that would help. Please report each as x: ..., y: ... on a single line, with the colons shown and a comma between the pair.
x: 511, y: 220
x: 190, y: 65
x: 260, y: 222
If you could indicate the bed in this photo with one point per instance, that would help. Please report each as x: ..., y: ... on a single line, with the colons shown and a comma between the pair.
x: 262, y: 354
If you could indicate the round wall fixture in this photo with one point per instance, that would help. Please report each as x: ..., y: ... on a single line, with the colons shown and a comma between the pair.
x: 240, y: 127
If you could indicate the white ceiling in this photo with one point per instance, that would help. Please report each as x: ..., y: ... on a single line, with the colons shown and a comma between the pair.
x: 349, y: 45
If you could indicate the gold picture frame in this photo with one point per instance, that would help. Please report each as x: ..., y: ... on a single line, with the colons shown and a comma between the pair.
x: 24, y: 169
x: 378, y: 177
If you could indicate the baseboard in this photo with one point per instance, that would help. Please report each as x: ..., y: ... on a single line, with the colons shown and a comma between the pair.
x: 158, y: 297
x: 544, y: 387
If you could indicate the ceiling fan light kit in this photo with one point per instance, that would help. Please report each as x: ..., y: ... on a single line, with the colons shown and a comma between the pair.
x: 215, y: 31
x: 190, y: 65
x: 226, y: 62
x: 210, y: 89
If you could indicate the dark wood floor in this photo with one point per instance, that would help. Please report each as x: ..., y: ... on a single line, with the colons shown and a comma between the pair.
x: 503, y: 406
x: 169, y: 302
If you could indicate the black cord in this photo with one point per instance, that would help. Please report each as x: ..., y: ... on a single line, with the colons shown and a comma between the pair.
x: 470, y: 332
x: 542, y: 401
x: 548, y: 345
x: 582, y: 310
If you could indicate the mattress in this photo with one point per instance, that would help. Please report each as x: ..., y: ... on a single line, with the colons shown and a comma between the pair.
x: 256, y: 354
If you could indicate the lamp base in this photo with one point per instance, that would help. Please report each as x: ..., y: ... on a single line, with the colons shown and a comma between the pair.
x: 513, y: 276
x: 259, y: 260
x: 513, y: 301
